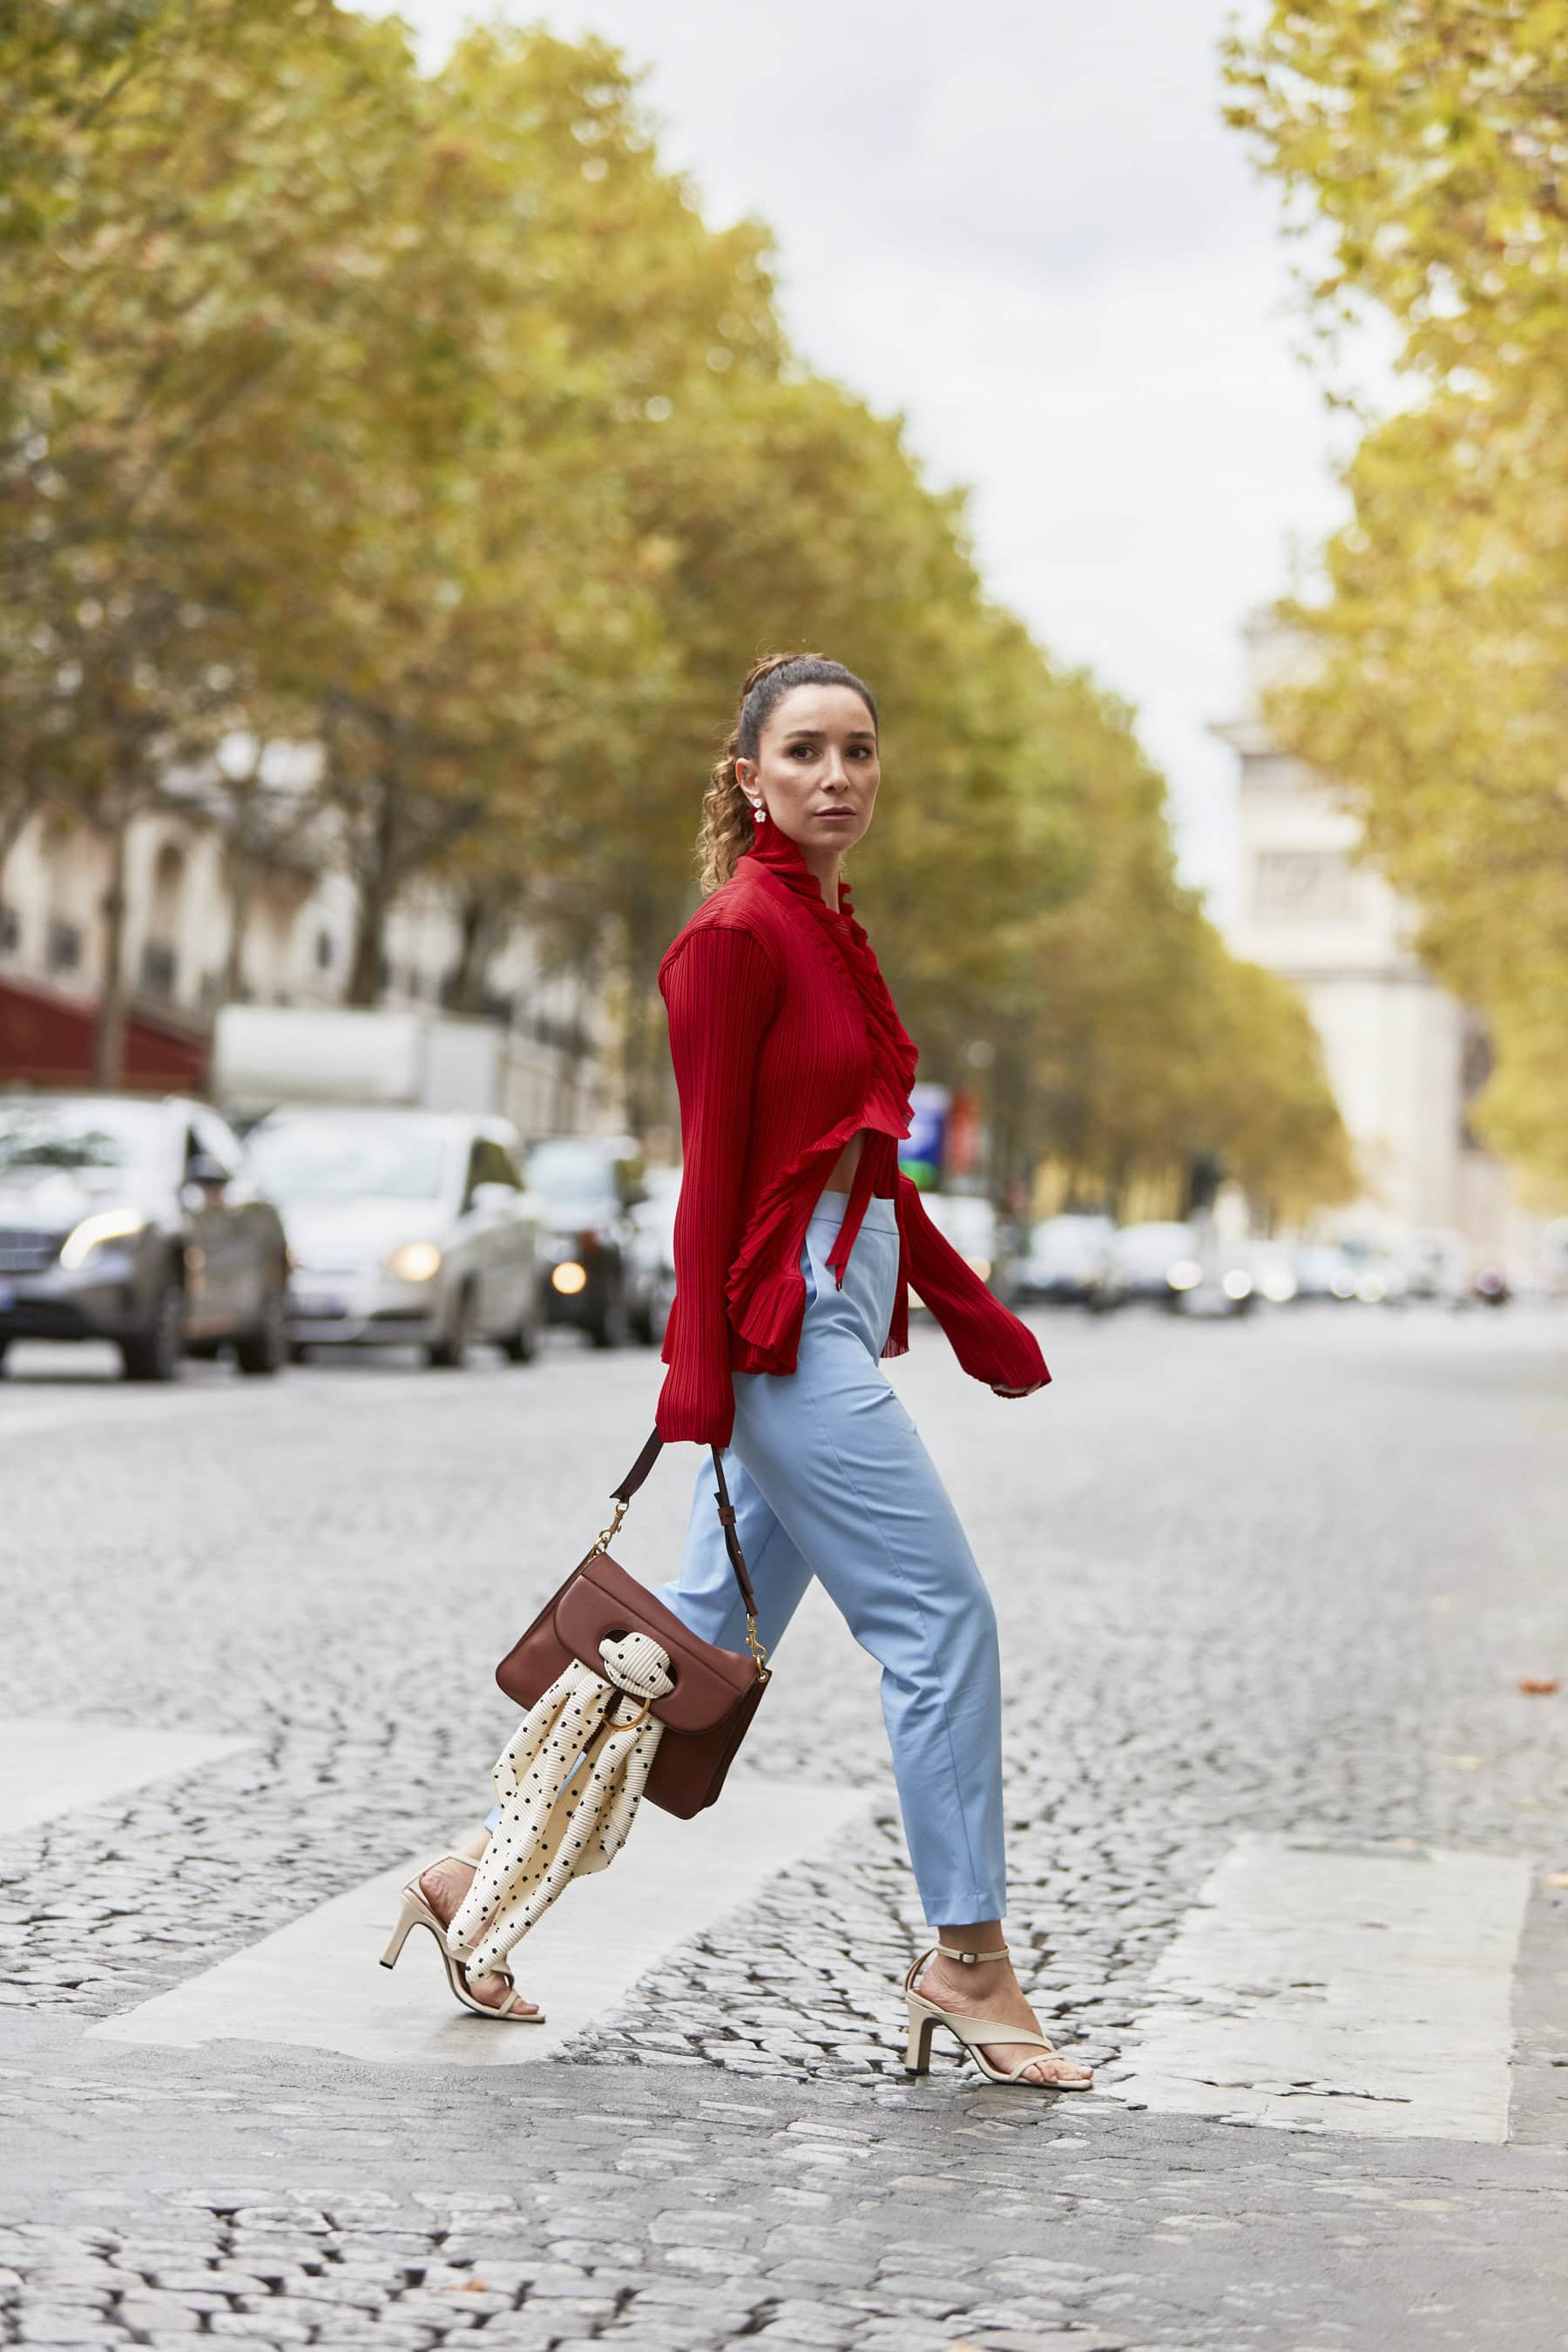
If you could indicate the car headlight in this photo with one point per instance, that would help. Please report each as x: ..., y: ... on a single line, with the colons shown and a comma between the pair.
x: 1280, y: 1287
x: 1237, y: 1284
x: 1185, y: 1274
x: 108, y: 1226
x: 568, y: 1277
x: 415, y: 1262
x: 1371, y: 1289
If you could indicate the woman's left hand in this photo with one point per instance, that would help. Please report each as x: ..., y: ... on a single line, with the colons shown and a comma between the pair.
x: 997, y: 1390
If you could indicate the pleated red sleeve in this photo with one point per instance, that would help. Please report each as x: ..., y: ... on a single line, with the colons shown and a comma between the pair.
x: 988, y: 1339
x: 720, y: 987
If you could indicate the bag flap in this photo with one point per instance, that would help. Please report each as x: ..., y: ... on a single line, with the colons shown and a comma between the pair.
x: 601, y: 1599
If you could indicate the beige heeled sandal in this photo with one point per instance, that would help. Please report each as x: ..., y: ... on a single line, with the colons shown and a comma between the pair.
x: 973, y: 2032
x: 416, y: 1913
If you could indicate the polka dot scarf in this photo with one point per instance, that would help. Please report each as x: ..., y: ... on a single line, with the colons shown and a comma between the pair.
x: 557, y: 1822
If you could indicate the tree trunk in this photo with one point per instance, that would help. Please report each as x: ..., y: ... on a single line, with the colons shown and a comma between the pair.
x: 241, y: 898
x: 480, y: 926
x: 369, y: 944
x: 377, y: 888
x: 109, y: 1037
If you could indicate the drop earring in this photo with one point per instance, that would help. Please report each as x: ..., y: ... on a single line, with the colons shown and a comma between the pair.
x: 759, y: 812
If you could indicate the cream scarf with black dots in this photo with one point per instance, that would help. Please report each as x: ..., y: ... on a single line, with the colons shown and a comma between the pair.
x: 557, y: 1822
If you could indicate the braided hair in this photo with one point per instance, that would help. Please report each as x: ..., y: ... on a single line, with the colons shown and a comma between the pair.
x: 727, y: 821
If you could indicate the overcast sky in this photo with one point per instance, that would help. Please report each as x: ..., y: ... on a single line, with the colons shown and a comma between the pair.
x: 1023, y: 224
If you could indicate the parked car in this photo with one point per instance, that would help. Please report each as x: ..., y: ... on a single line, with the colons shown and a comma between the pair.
x: 137, y: 1222
x: 406, y: 1227
x: 590, y: 1274
x: 1171, y: 1265
x: 1062, y: 1258
x: 652, y: 1253
x: 1437, y: 1266
x: 1325, y: 1272
x: 1377, y: 1278
x: 1272, y: 1266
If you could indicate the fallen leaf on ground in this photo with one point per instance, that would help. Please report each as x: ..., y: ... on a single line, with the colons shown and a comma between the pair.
x: 1465, y: 1763
x: 1555, y: 1878
x: 1539, y: 1686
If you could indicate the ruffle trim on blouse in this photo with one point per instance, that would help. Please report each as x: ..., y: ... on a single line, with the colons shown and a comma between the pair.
x: 766, y: 1290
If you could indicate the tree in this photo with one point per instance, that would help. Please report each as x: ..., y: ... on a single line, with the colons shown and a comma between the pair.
x: 1429, y: 136
x: 184, y: 190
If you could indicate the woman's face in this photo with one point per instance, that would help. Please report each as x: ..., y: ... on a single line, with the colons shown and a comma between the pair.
x: 817, y: 771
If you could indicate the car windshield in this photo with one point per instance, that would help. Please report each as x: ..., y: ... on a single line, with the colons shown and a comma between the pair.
x: 566, y: 1170
x: 50, y: 1138
x: 1067, y: 1237
x: 1149, y: 1243
x: 349, y: 1160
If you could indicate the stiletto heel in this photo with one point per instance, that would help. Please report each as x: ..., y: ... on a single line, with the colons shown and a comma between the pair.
x: 408, y: 1917
x: 973, y: 2033
x: 416, y: 1912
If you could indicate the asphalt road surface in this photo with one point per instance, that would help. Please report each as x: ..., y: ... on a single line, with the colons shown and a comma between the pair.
x: 1289, y: 1847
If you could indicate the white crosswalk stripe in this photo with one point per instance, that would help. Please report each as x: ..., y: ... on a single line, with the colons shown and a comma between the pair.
x: 1366, y: 1991
x: 314, y: 1984
x: 51, y: 1765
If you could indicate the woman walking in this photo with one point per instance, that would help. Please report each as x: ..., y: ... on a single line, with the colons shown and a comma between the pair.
x: 795, y: 1243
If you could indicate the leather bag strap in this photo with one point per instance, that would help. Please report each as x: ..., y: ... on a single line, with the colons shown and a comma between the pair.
x: 633, y: 1479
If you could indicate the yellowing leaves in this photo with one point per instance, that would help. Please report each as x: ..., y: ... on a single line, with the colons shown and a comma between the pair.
x: 1429, y: 139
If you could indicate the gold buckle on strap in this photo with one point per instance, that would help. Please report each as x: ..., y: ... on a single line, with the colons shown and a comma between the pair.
x: 607, y: 1536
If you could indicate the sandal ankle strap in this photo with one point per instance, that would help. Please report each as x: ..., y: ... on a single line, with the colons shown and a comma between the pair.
x: 970, y: 1960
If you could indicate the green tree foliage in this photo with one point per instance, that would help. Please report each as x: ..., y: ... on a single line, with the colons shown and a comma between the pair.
x: 1431, y: 136
x: 187, y: 187
x: 425, y: 420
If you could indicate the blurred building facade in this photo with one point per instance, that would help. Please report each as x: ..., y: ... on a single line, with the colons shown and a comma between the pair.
x: 188, y: 946
x: 1404, y: 1057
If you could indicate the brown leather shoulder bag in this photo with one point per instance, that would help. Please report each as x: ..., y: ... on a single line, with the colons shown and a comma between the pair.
x: 715, y: 1691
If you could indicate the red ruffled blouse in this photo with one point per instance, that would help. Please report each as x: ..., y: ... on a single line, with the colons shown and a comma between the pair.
x: 786, y: 1045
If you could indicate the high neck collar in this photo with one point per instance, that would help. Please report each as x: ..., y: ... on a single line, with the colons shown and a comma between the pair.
x: 774, y: 848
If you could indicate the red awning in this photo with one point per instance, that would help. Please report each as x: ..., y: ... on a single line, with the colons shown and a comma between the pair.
x: 47, y: 1040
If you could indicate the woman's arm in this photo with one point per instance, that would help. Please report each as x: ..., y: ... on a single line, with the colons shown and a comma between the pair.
x: 987, y: 1338
x: 720, y: 989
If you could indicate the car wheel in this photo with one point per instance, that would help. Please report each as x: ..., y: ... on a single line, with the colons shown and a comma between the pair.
x: 261, y: 1351
x: 154, y: 1353
x: 522, y: 1346
x: 449, y: 1353
x: 296, y: 1352
x: 640, y: 1322
x: 609, y: 1328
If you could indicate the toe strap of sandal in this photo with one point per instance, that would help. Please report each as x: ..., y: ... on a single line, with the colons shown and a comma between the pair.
x: 988, y: 2030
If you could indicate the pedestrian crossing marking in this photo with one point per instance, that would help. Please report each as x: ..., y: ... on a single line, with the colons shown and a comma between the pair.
x: 1366, y: 1991
x: 51, y: 1765
x: 315, y: 1983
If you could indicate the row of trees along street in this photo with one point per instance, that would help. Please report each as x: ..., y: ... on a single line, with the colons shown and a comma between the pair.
x: 423, y: 420
x: 1431, y: 138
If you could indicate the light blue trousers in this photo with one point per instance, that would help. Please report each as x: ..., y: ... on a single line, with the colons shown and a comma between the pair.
x: 829, y: 1478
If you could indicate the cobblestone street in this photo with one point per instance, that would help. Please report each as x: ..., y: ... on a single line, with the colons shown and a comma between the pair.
x: 1267, y: 1592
